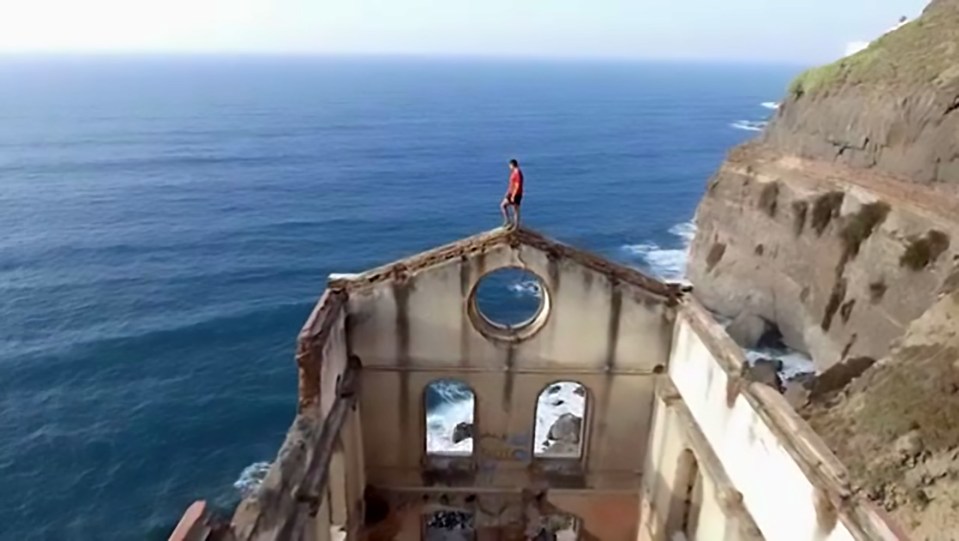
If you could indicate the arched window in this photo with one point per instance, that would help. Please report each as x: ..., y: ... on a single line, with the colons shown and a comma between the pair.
x: 687, y: 497
x: 509, y: 304
x: 450, y: 407
x: 560, y: 421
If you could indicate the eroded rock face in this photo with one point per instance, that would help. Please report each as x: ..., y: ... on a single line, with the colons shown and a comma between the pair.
x: 896, y: 426
x: 893, y: 108
x: 766, y: 371
x: 839, y: 261
x: 747, y: 329
x: 839, y: 224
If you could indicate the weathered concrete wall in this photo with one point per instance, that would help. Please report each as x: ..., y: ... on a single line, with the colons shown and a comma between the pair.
x: 673, y: 435
x: 606, y: 333
x: 274, y: 512
x: 791, y: 484
x: 504, y: 427
x: 830, y: 261
x: 595, y: 322
x: 696, y: 500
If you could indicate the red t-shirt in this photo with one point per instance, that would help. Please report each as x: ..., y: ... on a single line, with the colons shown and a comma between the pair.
x: 516, y: 182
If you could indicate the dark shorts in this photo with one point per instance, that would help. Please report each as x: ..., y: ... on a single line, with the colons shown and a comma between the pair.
x: 515, y: 200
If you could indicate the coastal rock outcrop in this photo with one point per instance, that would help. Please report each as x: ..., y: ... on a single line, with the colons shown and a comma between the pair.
x: 841, y: 222
x: 896, y: 426
x: 840, y: 227
x: 462, y: 431
x: 566, y: 429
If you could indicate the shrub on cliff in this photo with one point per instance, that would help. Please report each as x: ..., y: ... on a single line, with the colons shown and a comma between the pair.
x: 924, y: 250
x: 861, y: 225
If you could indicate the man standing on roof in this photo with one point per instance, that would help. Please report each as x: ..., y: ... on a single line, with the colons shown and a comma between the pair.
x: 514, y: 195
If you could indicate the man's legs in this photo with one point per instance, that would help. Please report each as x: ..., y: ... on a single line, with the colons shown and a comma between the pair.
x: 516, y: 214
x: 504, y: 208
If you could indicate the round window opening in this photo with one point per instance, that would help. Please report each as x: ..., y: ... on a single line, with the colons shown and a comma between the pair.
x: 510, y: 300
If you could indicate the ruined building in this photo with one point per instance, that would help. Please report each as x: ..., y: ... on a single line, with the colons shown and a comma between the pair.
x: 674, y: 443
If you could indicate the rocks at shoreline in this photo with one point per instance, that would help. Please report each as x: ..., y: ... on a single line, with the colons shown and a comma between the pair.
x: 566, y: 429
x: 563, y: 437
x: 796, y: 389
x: 462, y: 431
x: 747, y: 329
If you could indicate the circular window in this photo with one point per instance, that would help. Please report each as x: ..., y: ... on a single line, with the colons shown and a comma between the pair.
x: 509, y: 303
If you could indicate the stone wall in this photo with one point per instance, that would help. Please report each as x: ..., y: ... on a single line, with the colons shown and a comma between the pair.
x: 602, y: 329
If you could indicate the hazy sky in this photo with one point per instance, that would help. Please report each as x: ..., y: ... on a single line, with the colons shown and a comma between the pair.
x: 764, y: 30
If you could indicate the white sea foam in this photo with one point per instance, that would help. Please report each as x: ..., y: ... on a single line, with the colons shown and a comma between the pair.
x: 526, y: 288
x: 685, y: 231
x: 749, y: 125
x: 552, y: 405
x: 442, y: 420
x: 770, y: 105
x: 667, y: 263
x: 251, y: 478
x: 794, y: 362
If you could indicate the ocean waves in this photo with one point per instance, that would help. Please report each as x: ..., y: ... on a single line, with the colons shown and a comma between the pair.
x: 665, y: 262
x: 750, y: 125
x: 756, y: 125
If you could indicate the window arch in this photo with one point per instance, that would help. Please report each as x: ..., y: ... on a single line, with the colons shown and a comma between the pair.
x: 560, y: 427
x: 450, y: 410
x: 509, y: 304
x: 687, y: 497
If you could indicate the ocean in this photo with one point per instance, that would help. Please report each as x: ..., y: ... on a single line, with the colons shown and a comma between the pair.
x: 168, y: 223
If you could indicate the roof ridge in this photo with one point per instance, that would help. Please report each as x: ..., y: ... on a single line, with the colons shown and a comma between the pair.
x: 496, y: 237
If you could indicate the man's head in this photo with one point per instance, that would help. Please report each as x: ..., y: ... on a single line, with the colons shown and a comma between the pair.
x: 513, y: 164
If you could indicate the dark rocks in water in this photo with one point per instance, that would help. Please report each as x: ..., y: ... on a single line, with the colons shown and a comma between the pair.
x: 797, y: 388
x: 566, y: 429
x: 746, y: 329
x: 450, y: 520
x: 562, y: 448
x: 579, y: 390
x: 751, y: 331
x: 840, y: 375
x: 553, y: 389
x: 766, y: 371
x: 462, y: 431
x: 558, y: 403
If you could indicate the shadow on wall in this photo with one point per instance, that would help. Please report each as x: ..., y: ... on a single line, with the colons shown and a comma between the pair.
x: 687, y: 498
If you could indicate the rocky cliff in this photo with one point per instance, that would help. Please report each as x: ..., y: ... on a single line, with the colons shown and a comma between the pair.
x: 840, y: 226
x: 841, y: 222
x: 897, y: 426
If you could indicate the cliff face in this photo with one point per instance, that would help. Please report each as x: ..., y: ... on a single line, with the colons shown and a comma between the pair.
x: 841, y: 223
x: 893, y: 108
x: 897, y: 427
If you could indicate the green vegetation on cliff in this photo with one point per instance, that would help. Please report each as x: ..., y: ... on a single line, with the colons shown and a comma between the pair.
x: 922, y: 52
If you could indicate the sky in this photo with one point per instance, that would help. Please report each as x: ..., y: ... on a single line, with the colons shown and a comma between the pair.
x: 793, y: 31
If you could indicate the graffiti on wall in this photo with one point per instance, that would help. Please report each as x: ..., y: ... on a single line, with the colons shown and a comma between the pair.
x: 504, y: 447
